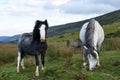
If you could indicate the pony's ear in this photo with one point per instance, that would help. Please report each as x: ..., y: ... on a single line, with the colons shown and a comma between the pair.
x: 37, y: 24
x: 46, y: 22
x: 37, y: 21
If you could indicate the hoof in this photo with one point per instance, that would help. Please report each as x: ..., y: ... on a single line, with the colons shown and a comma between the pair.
x: 18, y: 72
x: 98, y: 65
x: 23, y: 67
x: 43, y: 69
x: 83, y: 66
x: 36, y: 74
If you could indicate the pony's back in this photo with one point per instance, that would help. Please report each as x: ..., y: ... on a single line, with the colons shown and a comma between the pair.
x: 24, y: 41
x: 89, y: 34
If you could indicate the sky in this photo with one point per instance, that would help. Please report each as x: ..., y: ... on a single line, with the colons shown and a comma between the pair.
x: 19, y: 16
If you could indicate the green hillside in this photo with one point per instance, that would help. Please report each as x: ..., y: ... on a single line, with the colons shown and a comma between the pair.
x: 109, y: 18
x: 106, y: 19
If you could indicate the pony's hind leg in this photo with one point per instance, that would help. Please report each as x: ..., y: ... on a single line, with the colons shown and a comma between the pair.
x: 22, y: 63
x: 18, y: 62
x: 22, y: 60
x: 84, y: 60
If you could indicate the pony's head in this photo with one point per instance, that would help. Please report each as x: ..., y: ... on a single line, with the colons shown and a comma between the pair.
x: 43, y: 30
x: 40, y: 30
x: 92, y: 56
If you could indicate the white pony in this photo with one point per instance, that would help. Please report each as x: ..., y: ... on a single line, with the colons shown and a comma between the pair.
x: 91, y: 35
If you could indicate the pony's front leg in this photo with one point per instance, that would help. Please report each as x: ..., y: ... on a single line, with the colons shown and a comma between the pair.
x: 98, y: 61
x: 84, y: 62
x: 84, y: 59
x: 42, y: 61
x: 98, y: 49
x: 37, y: 65
x: 97, y: 54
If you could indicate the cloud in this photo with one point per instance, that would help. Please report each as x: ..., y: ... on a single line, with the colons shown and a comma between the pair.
x: 15, y: 25
x: 59, y: 2
x: 21, y: 7
x: 114, y: 3
x: 90, y: 9
x: 86, y: 6
x: 18, y: 16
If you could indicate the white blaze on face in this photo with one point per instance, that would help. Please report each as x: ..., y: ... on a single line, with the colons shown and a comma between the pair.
x: 42, y: 32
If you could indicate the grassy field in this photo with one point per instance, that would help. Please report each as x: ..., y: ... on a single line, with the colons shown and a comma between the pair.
x: 63, y: 63
x: 64, y: 66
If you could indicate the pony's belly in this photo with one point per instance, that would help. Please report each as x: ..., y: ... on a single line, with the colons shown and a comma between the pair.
x: 82, y: 32
x: 98, y: 35
x: 31, y: 54
x: 82, y: 36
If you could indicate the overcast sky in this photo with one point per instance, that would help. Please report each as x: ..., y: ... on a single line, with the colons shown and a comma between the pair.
x: 19, y: 16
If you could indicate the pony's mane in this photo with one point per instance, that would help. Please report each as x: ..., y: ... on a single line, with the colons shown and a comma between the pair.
x: 46, y: 28
x: 89, y: 37
x: 89, y: 33
x: 36, y: 31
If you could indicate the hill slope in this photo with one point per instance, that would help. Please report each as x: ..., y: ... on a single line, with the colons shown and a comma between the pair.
x: 109, y: 18
x: 105, y: 19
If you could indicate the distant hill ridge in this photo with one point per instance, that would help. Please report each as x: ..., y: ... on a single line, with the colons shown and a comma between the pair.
x: 105, y: 19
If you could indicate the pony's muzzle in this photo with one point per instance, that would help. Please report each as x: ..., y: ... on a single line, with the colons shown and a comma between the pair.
x: 42, y: 39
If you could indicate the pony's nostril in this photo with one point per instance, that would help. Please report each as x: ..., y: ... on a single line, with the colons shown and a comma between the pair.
x: 42, y: 40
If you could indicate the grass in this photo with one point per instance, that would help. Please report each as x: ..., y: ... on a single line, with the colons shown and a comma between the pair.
x: 66, y: 69
x: 63, y: 63
x: 111, y: 28
x: 111, y: 44
x: 8, y: 53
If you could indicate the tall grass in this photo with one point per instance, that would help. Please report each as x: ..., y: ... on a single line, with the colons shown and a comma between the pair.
x: 111, y: 28
x: 56, y: 51
x: 8, y: 53
x: 111, y: 44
